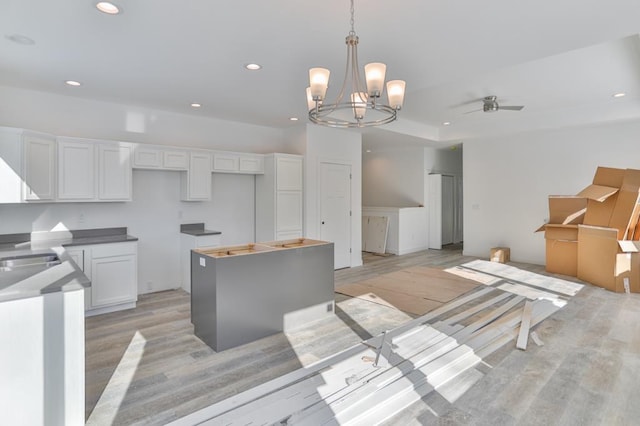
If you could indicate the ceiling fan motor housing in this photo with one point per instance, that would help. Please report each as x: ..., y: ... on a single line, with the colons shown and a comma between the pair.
x: 490, y: 104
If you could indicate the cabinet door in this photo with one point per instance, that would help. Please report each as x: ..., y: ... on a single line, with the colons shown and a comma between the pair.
x: 39, y: 167
x: 76, y: 171
x: 146, y: 158
x: 288, y: 174
x: 114, y: 168
x: 288, y: 211
x: 252, y: 164
x: 113, y: 280
x: 175, y: 160
x: 198, y: 186
x: 10, y: 167
x: 226, y: 163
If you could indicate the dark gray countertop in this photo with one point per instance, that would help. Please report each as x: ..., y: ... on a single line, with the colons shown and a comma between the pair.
x: 34, y: 281
x: 197, y: 230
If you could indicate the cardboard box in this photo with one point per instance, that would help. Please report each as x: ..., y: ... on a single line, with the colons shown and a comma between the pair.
x: 500, y: 254
x: 607, y: 262
x: 561, y: 249
x: 602, y: 195
x: 566, y: 210
x: 626, y: 202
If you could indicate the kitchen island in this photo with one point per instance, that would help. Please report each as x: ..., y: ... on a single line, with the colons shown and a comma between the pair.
x: 243, y: 293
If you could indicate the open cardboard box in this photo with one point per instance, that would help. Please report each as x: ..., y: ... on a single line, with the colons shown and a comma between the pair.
x: 607, y: 262
x: 561, y: 233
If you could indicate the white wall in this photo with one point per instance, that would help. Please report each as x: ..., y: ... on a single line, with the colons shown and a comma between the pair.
x: 507, y: 181
x: 69, y: 116
x: 154, y: 216
x: 446, y: 161
x: 393, y: 177
x: 325, y: 144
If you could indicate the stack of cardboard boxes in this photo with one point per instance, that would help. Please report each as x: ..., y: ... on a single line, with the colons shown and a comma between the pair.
x: 595, y: 235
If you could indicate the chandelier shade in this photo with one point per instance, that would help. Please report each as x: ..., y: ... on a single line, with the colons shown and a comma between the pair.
x: 359, y: 102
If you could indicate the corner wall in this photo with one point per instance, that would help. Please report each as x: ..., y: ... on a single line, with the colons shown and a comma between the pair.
x: 507, y: 181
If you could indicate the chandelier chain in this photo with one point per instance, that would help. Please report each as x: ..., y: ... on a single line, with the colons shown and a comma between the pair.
x: 353, y: 31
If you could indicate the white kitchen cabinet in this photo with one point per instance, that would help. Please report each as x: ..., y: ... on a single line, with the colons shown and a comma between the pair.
x: 27, y: 166
x: 146, y: 157
x: 38, y: 162
x: 279, y: 198
x: 196, y: 182
x: 76, y: 170
x: 175, y: 160
x: 231, y: 162
x: 93, y: 170
x: 113, y: 271
x: 156, y: 157
x: 114, y: 172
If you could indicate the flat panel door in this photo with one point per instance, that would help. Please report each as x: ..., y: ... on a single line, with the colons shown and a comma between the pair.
x: 435, y: 211
x: 76, y: 171
x: 288, y: 211
x: 175, y: 160
x: 114, y: 165
x: 448, y: 210
x: 39, y: 168
x: 113, y: 280
x: 200, y: 177
x: 288, y: 174
x: 335, y: 210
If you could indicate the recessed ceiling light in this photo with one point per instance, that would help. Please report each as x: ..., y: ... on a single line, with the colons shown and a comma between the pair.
x: 293, y: 118
x: 20, y: 39
x: 368, y: 150
x: 196, y: 105
x: 619, y: 95
x: 73, y: 83
x: 446, y: 123
x: 253, y: 67
x: 108, y: 8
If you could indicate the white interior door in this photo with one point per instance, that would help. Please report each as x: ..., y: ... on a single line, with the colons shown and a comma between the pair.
x: 448, y: 210
x: 435, y: 211
x: 335, y: 210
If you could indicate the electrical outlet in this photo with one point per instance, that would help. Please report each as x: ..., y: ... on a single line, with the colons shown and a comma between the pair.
x: 329, y: 307
x: 81, y: 218
x: 203, y: 262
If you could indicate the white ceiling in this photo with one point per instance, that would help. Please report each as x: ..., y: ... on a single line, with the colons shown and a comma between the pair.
x: 562, y: 59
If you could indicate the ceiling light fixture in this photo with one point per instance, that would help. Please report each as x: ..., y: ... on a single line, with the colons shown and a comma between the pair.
x: 73, y: 83
x: 196, y: 105
x: 108, y: 8
x: 293, y: 119
x: 362, y: 98
x: 619, y: 95
x: 446, y: 123
x: 253, y: 67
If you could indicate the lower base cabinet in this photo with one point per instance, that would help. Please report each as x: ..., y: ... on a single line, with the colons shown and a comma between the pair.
x: 113, y: 271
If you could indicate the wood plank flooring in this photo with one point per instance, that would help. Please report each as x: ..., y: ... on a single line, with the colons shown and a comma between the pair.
x: 586, y: 373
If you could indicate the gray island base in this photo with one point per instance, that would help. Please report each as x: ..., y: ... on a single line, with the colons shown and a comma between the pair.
x: 244, y: 293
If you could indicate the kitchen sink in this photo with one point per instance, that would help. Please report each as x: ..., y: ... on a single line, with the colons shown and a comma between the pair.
x: 41, y: 259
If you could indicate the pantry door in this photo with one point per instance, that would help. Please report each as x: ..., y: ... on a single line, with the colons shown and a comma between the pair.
x: 335, y: 210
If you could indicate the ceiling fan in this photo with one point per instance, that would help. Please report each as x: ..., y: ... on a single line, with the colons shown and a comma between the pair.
x: 490, y: 104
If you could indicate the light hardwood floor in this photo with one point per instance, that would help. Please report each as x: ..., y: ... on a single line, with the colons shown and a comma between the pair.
x: 145, y: 366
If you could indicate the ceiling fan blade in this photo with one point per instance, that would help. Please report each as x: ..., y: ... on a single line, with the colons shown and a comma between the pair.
x: 475, y: 110
x: 512, y: 108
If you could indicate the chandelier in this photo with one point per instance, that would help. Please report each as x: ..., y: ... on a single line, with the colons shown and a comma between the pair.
x: 363, y: 106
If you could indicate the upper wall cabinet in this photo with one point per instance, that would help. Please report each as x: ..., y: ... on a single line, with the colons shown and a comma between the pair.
x: 38, y: 162
x: 159, y: 158
x: 196, y: 182
x: 93, y: 170
x: 229, y: 162
x: 27, y: 166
